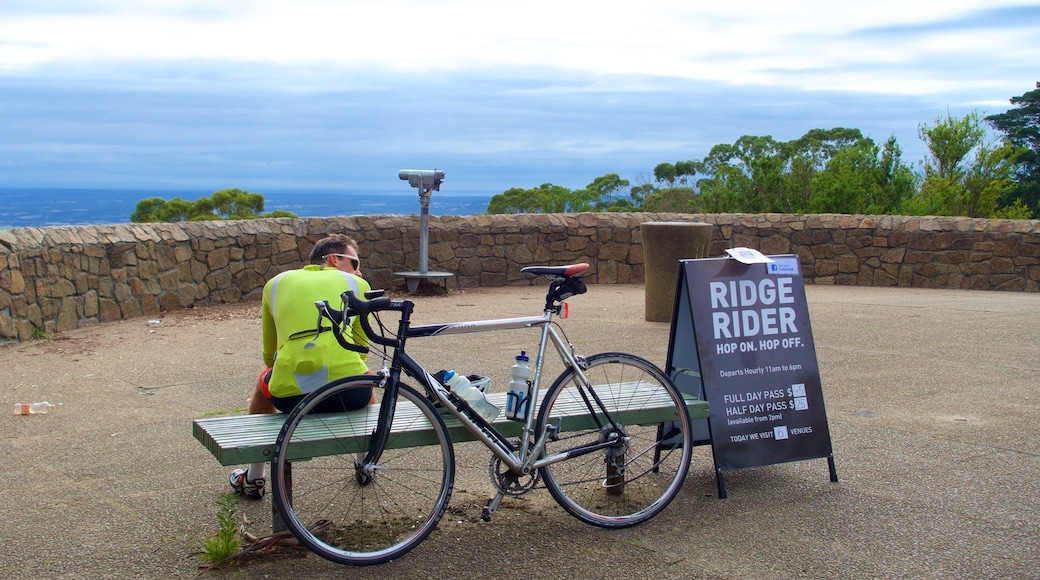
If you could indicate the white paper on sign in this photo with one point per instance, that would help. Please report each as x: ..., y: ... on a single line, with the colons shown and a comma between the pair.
x: 748, y: 256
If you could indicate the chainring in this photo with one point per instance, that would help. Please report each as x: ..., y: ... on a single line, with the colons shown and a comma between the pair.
x: 510, y: 483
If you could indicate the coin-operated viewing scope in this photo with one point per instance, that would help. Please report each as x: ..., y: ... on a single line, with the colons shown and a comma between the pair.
x: 427, y: 180
x: 422, y: 178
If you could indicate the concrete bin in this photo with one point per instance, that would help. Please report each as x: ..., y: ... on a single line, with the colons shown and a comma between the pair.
x: 664, y: 244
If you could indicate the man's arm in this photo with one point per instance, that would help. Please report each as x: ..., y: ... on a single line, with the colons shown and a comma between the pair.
x: 268, y: 329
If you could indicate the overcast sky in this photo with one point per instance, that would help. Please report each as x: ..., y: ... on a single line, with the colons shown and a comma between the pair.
x: 339, y: 95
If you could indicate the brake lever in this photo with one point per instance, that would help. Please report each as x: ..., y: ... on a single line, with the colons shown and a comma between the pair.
x: 323, y: 312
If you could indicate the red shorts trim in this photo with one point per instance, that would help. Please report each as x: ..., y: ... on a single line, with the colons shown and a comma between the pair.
x: 264, y: 382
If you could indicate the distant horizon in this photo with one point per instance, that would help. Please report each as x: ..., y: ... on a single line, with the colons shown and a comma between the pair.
x: 62, y: 206
x: 278, y: 191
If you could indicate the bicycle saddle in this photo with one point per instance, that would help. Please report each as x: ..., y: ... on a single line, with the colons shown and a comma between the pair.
x: 571, y: 271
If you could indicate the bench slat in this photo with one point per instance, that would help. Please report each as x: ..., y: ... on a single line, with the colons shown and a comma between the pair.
x: 245, y: 439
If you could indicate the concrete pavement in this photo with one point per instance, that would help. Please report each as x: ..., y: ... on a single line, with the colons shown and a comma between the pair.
x: 933, y: 401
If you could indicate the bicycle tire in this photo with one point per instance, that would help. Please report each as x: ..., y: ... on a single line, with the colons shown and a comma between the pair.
x: 622, y: 485
x: 337, y: 512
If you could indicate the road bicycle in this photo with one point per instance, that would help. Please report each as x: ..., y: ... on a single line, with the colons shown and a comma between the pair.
x: 611, y: 439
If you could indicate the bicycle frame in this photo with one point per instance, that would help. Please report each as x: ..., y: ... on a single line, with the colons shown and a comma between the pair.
x: 525, y: 459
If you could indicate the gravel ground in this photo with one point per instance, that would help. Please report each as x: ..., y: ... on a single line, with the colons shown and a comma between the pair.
x: 932, y: 401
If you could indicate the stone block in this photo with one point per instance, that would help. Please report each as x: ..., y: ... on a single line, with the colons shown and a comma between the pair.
x: 826, y: 267
x: 893, y: 256
x: 775, y: 244
x: 130, y: 309
x: 848, y: 264
x: 883, y: 278
x: 248, y: 280
x: 8, y: 327
x: 90, y: 304
x: 493, y: 279
x: 614, y: 252
x: 218, y: 259
x: 150, y: 305
x: 1006, y: 247
x: 68, y: 315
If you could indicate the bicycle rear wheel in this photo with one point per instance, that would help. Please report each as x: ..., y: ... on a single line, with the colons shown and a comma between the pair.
x: 344, y: 513
x: 632, y: 479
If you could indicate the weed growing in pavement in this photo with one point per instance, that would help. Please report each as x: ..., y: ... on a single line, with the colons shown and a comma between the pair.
x: 225, y: 544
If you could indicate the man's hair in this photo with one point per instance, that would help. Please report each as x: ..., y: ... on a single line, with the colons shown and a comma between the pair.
x: 332, y: 244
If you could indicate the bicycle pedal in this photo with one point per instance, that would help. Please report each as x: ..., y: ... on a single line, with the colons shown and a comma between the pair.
x: 491, y: 507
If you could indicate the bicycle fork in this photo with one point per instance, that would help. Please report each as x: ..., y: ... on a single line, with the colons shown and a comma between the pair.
x: 367, y: 465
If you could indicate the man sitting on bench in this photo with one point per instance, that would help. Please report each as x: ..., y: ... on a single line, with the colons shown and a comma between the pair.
x: 299, y: 357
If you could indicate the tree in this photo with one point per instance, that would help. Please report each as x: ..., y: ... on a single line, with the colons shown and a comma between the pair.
x: 686, y: 171
x: 237, y: 204
x: 233, y: 204
x: 639, y: 193
x: 1021, y: 129
x: 177, y: 210
x: 722, y: 187
x: 810, y: 155
x: 863, y: 178
x: 965, y: 174
x: 157, y: 209
x: 673, y: 199
x: 203, y: 209
x: 843, y: 186
x: 761, y: 174
x: 605, y: 193
x: 148, y: 210
x: 546, y: 198
x: 665, y: 173
x: 834, y: 170
x: 894, y: 180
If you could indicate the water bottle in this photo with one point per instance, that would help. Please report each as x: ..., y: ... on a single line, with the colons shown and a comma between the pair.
x: 32, y: 408
x: 461, y: 386
x: 518, y: 398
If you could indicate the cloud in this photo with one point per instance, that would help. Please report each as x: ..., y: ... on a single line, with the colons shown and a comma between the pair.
x: 754, y: 42
x: 339, y: 95
x: 490, y: 133
x: 1025, y: 18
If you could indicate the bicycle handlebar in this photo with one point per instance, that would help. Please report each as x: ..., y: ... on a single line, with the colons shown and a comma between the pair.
x: 362, y: 309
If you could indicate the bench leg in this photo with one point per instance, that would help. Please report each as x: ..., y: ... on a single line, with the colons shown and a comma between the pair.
x: 615, y: 480
x: 277, y: 523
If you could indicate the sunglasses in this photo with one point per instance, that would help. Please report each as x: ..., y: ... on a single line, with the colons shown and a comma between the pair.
x: 355, y: 262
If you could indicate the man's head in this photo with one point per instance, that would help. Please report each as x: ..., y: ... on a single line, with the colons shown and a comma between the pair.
x: 337, y: 251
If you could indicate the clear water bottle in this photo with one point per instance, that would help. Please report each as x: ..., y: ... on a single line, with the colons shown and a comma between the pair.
x: 518, y: 398
x: 32, y: 408
x: 461, y: 386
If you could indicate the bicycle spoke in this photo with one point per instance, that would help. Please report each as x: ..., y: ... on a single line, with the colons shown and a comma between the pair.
x: 384, y: 516
x: 636, y: 476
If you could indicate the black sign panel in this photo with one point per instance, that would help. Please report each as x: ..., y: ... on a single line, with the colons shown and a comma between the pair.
x: 755, y: 358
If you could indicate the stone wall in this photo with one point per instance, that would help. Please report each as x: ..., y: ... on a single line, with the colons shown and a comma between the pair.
x: 58, y: 278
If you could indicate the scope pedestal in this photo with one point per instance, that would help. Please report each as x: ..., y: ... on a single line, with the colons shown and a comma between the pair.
x: 426, y: 181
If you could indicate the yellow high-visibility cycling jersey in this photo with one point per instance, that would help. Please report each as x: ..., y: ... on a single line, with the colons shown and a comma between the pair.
x: 302, y: 357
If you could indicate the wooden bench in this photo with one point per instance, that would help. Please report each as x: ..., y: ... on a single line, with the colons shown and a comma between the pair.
x: 244, y: 439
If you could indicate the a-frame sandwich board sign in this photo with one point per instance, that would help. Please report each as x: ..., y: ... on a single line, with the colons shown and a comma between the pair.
x: 741, y: 339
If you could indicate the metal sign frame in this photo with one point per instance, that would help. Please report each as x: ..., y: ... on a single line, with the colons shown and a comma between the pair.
x: 741, y: 339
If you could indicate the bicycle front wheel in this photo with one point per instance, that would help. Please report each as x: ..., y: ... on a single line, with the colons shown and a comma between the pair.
x: 358, y: 515
x: 639, y: 421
